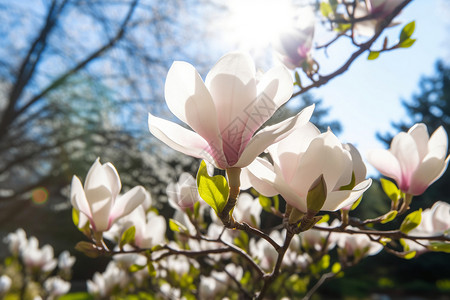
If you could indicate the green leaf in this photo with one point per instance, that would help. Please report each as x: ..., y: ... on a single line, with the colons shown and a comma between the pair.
x: 135, y: 268
x: 196, y: 209
x: 389, y: 216
x: 373, y: 55
x: 276, y: 202
x: 411, y: 221
x: 410, y: 255
x: 407, y: 43
x: 127, y: 237
x: 75, y: 217
x: 316, y: 195
x: 151, y: 269
x: 407, y: 31
x: 390, y: 189
x: 266, y: 203
x: 349, y: 186
x: 176, y: 226
x: 326, y: 9
x: 325, y: 218
x: 297, y: 79
x: 214, y: 190
x: 336, y: 268
x: 357, y: 202
x: 439, y: 247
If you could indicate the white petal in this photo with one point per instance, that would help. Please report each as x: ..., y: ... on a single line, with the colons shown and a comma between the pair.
x: 177, y: 137
x: 78, y: 197
x: 113, y: 178
x: 339, y: 199
x: 272, y: 134
x: 126, y: 203
x: 261, y: 177
x: 438, y: 143
x: 189, y: 99
x: 430, y: 170
x: 359, y: 168
x: 386, y: 163
x: 420, y: 135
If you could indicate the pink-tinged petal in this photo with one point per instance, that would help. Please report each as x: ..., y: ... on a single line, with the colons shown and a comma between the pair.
x: 96, y: 176
x: 274, y: 89
x: 386, y: 163
x: 438, y: 143
x: 291, y: 149
x: 272, y: 134
x: 428, y: 172
x: 261, y: 177
x: 82, y: 220
x: 290, y: 195
x: 232, y: 85
x: 189, y: 99
x: 440, y: 216
x: 404, y: 148
x: 126, y: 203
x: 100, y: 202
x: 177, y: 137
x: 324, y: 156
x: 339, y: 199
x: 420, y: 135
x: 78, y: 197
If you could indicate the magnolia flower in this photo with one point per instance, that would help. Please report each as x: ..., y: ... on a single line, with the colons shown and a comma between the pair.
x: 55, y: 287
x: 248, y: 210
x: 294, y: 46
x: 316, y: 240
x: 377, y: 9
x: 184, y: 193
x: 99, y: 201
x: 435, y: 222
x: 104, y: 284
x: 225, y: 111
x: 414, y: 160
x: 150, y: 228
x: 299, y: 161
x: 265, y: 252
x: 35, y: 258
x: 354, y: 245
x: 5, y: 284
x: 65, y: 261
x: 16, y: 241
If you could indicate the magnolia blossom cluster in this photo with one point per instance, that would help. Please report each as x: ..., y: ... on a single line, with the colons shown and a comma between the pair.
x: 39, y: 264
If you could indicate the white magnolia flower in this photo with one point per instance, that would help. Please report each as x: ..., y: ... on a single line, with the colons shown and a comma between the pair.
x: 99, y: 201
x: 415, y: 160
x: 103, y: 284
x: 16, y: 241
x: 316, y: 240
x: 184, y: 193
x: 36, y: 258
x: 225, y: 111
x: 65, y: 261
x: 300, y: 160
x: 248, y: 210
x: 435, y: 222
x: 55, y: 287
x: 5, y: 284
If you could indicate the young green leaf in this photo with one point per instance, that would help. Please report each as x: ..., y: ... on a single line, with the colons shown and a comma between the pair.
x: 390, y: 189
x: 389, y: 217
x: 439, y: 247
x: 407, y: 43
x: 265, y: 202
x: 373, y: 55
x: 214, y: 190
x: 411, y: 221
x: 127, y: 237
x: 407, y: 31
x: 176, y: 226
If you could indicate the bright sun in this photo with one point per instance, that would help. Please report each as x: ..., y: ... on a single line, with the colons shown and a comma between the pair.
x: 257, y: 23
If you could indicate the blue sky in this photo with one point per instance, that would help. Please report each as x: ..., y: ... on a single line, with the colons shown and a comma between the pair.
x: 368, y: 96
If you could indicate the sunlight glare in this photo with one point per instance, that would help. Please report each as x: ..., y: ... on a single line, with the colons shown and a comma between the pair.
x: 257, y: 23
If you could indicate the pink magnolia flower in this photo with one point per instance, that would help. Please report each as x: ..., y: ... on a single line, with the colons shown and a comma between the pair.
x: 294, y: 46
x: 99, y: 201
x: 415, y: 160
x: 225, y: 111
x: 299, y: 160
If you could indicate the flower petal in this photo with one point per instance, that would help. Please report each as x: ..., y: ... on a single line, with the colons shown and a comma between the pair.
x: 78, y: 197
x: 261, y: 177
x: 438, y: 143
x: 126, y: 203
x: 178, y: 138
x: 339, y: 199
x: 272, y: 134
x: 430, y: 170
x: 189, y: 99
x: 386, y: 163
x: 420, y: 135
x: 404, y: 147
